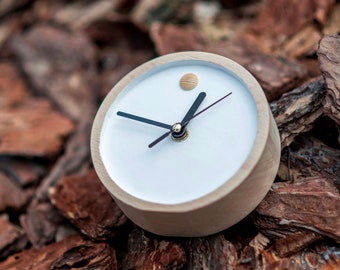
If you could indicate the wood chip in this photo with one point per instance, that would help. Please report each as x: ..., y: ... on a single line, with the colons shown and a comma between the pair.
x: 309, y: 157
x: 212, y: 252
x: 71, y: 253
x: 12, y: 238
x: 296, y: 111
x: 12, y: 87
x: 11, y: 195
x: 80, y: 14
x: 60, y: 65
x: 33, y: 129
x: 147, y: 252
x: 287, y: 246
x: 283, y: 18
x: 22, y: 171
x: 299, y: 205
x: 40, y: 223
x: 275, y: 74
x: 88, y: 205
x: 169, y: 38
x: 329, y: 58
x: 303, y: 43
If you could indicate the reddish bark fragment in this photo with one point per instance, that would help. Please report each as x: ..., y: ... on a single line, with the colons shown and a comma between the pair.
x: 303, y: 43
x: 169, y: 38
x: 329, y: 58
x: 71, y: 253
x: 213, y: 252
x: 88, y: 205
x: 147, y: 252
x: 88, y: 256
x: 40, y: 223
x: 276, y: 75
x: 12, y: 87
x: 312, y: 204
x: 126, y: 47
x: 267, y: 259
x: 308, y: 157
x: 295, y: 242
x: 61, y: 66
x: 32, y: 129
x: 12, y: 238
x: 283, y: 18
x: 296, y: 111
x: 11, y: 196
x: 22, y: 172
x: 74, y: 160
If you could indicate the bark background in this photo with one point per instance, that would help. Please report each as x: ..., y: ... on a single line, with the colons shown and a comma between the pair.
x: 58, y: 60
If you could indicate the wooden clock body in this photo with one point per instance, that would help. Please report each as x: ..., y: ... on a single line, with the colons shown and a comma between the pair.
x: 220, y: 208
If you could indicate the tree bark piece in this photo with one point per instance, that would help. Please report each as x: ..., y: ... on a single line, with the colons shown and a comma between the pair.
x: 308, y: 157
x: 40, y: 223
x: 253, y: 258
x: 285, y: 18
x: 33, y: 129
x: 212, y: 252
x: 303, y: 43
x: 75, y: 157
x: 333, y: 21
x: 296, y: 111
x: 12, y: 238
x: 71, y: 253
x: 318, y: 256
x: 287, y: 246
x: 276, y: 75
x: 22, y: 172
x: 12, y: 87
x: 60, y: 65
x: 148, y: 252
x: 78, y: 15
x: 88, y: 205
x: 169, y: 38
x: 312, y: 204
x: 329, y: 58
x: 87, y: 256
x: 11, y: 195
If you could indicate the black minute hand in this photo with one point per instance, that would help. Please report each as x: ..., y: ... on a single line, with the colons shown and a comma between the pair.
x: 185, y: 123
x: 186, y: 119
x: 144, y: 120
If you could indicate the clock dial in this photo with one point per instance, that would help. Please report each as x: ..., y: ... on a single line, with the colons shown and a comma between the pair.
x: 218, y: 141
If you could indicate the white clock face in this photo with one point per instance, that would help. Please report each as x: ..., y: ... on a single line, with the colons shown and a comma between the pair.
x: 171, y: 172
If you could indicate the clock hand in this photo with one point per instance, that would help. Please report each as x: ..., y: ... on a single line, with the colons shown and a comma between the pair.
x: 179, y: 128
x: 144, y: 120
x: 185, y: 123
x: 206, y: 108
x: 193, y: 108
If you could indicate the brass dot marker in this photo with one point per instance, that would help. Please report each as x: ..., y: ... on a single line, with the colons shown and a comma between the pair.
x: 188, y: 81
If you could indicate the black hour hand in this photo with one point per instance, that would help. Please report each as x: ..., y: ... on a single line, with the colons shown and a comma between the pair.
x: 144, y: 120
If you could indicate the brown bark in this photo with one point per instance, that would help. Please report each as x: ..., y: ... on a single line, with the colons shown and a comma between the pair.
x: 59, y: 57
x: 88, y: 205
x: 296, y: 111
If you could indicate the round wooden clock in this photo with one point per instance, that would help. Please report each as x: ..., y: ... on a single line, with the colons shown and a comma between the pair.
x: 186, y: 144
